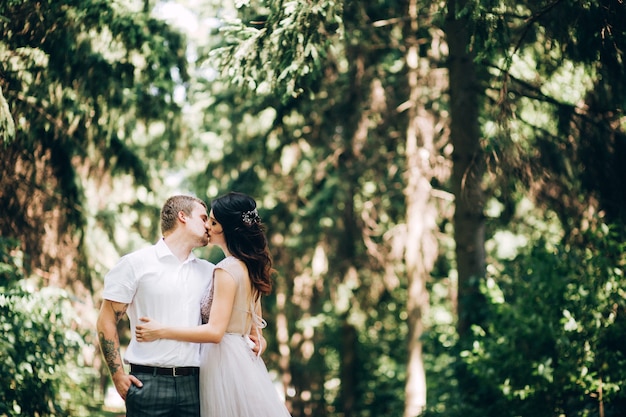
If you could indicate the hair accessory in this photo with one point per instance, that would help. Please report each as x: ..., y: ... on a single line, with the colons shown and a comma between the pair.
x: 250, y: 217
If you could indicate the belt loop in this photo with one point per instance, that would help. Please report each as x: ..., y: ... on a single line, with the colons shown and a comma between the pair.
x: 154, y: 371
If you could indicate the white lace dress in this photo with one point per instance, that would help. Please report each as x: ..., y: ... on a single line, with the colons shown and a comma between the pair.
x: 234, y: 382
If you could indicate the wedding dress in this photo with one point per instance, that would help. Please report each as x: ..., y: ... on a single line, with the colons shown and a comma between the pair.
x: 234, y: 381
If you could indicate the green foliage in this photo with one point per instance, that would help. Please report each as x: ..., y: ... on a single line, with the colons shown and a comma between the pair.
x: 309, y: 119
x: 382, y: 351
x: 90, y: 86
x: 589, y: 32
x: 316, y: 136
x: 7, y: 125
x: 557, y: 85
x: 551, y: 343
x: 281, y: 51
x: 41, y: 372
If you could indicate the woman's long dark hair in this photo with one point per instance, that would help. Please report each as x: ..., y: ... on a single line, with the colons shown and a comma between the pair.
x: 245, y: 236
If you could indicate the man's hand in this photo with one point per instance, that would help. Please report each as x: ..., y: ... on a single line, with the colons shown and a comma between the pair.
x: 123, y: 382
x: 259, y: 343
x: 110, y: 314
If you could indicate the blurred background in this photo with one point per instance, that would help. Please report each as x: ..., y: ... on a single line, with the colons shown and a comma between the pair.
x: 443, y: 185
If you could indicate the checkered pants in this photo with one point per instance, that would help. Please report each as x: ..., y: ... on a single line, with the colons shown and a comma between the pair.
x: 164, y: 396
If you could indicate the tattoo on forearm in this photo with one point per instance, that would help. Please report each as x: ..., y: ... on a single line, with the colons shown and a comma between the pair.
x: 110, y: 352
x: 120, y: 312
x: 110, y: 346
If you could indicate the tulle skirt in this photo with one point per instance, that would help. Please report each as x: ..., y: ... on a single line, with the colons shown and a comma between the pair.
x: 234, y: 382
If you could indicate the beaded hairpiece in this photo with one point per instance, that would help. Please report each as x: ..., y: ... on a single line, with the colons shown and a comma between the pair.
x: 249, y: 217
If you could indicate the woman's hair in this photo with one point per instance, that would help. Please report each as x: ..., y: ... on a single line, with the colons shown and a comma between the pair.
x: 174, y: 205
x: 245, y: 236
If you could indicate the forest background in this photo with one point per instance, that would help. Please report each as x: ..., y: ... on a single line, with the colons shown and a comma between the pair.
x: 443, y: 182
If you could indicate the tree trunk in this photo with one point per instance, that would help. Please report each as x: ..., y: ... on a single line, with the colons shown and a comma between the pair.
x: 468, y: 170
x: 421, y: 249
x: 467, y: 173
x: 282, y: 338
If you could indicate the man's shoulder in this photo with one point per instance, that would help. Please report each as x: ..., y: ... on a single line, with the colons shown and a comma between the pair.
x: 203, y: 263
x: 142, y: 251
x: 140, y: 256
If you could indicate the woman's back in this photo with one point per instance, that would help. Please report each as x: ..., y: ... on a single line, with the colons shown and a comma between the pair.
x: 241, y: 317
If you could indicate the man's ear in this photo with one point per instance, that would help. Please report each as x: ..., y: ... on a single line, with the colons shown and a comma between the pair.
x: 181, y: 217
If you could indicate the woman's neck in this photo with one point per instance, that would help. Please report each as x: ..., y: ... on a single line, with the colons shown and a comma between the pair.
x: 226, y: 251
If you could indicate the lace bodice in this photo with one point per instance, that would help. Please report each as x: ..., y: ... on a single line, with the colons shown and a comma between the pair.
x: 245, y: 309
x: 205, y: 305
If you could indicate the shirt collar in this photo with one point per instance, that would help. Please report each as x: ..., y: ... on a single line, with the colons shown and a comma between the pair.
x: 163, y: 250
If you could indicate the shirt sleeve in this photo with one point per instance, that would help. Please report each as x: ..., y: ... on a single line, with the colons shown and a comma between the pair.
x: 120, y: 282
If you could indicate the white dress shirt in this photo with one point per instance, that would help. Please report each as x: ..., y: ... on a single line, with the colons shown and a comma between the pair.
x: 157, y: 285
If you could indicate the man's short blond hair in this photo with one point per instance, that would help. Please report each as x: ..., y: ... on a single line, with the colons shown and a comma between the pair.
x: 173, y: 206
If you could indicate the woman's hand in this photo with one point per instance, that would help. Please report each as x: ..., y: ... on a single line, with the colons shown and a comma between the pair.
x: 148, y: 331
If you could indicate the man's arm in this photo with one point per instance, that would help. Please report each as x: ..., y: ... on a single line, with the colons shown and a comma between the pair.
x: 111, y: 313
x: 260, y: 344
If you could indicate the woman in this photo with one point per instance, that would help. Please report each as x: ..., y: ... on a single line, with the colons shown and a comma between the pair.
x: 234, y: 382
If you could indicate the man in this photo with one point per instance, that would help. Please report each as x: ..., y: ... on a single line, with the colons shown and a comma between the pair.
x: 164, y: 281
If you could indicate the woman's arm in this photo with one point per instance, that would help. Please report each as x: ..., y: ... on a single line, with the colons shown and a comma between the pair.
x: 212, y: 332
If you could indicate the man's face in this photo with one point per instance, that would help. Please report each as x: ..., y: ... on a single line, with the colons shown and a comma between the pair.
x: 197, y: 225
